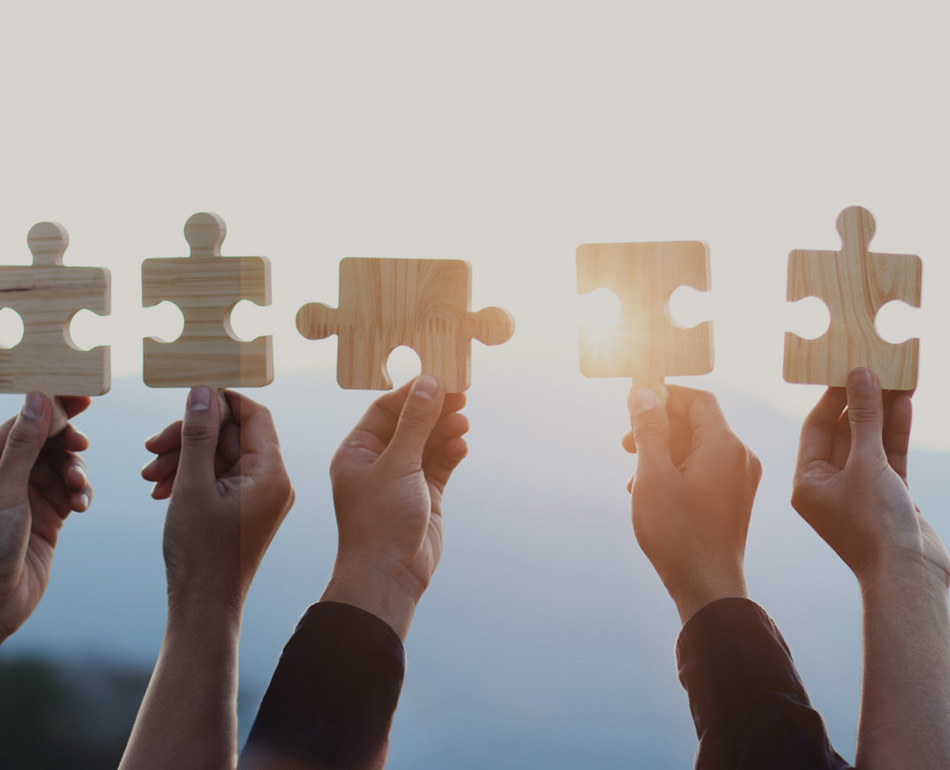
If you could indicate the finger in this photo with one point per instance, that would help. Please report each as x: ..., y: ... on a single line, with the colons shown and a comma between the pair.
x: 817, y: 435
x: 865, y: 414
x: 75, y: 404
x: 164, y: 488
x: 166, y: 440
x: 841, y: 441
x: 258, y: 446
x: 229, y: 444
x: 897, y: 433
x: 81, y: 499
x: 199, y: 441
x: 651, y: 427
x: 383, y: 414
x: 74, y: 472
x: 71, y: 439
x: 161, y: 467
x: 454, y: 402
x: 448, y: 426
x: 60, y: 496
x: 697, y: 421
x: 22, y: 448
x: 442, y: 462
x: 417, y: 419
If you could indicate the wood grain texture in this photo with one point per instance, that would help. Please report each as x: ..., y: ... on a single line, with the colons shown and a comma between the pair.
x: 206, y: 286
x: 645, y: 345
x: 46, y: 296
x: 424, y: 304
x: 854, y: 283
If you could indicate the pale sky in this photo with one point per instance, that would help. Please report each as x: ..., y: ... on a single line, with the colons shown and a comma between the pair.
x: 506, y: 134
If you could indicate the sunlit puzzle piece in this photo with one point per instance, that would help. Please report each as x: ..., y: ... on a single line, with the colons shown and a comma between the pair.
x: 424, y: 304
x: 645, y: 345
x: 46, y: 296
x: 854, y: 283
x: 206, y: 286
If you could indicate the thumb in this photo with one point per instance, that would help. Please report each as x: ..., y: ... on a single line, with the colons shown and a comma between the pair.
x: 865, y: 414
x: 23, y: 445
x: 419, y: 415
x: 651, y: 426
x: 199, y: 440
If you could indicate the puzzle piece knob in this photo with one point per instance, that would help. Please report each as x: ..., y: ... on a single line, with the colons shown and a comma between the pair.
x: 205, y: 233
x: 47, y: 242
x: 856, y: 223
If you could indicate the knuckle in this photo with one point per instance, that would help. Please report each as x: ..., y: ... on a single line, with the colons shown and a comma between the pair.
x: 648, y: 428
x: 414, y: 416
x: 755, y: 464
x: 23, y: 436
x: 198, y: 433
x: 863, y: 413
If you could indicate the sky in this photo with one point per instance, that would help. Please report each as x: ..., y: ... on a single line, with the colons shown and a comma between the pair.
x: 506, y: 134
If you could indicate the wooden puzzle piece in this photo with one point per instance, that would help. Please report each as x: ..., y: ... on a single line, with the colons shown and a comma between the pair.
x: 46, y: 296
x: 645, y: 345
x: 854, y: 283
x: 422, y: 303
x: 206, y: 286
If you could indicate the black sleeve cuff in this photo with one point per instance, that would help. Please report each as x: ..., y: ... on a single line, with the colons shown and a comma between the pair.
x: 331, y: 700
x: 748, y: 703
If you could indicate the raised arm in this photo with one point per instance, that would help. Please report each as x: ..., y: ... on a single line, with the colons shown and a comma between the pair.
x: 850, y: 485
x: 692, y: 497
x: 229, y: 493
x: 41, y: 482
x: 332, y: 698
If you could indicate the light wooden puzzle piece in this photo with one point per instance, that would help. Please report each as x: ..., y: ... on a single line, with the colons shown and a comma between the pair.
x: 424, y: 304
x: 206, y: 286
x: 646, y: 344
x: 46, y: 296
x: 854, y: 283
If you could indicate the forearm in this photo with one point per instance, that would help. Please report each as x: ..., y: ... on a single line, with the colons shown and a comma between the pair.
x: 188, y: 718
x: 748, y: 704
x: 905, y: 698
x: 331, y: 700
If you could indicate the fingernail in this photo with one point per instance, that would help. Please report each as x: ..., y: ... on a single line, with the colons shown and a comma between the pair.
x: 643, y: 400
x: 83, y: 501
x: 199, y: 399
x: 859, y: 378
x: 426, y: 387
x: 33, y: 406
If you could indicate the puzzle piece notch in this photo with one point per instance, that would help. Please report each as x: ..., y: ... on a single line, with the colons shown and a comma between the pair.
x: 855, y: 284
x: 423, y: 304
x: 646, y: 345
x: 206, y: 286
x: 46, y: 295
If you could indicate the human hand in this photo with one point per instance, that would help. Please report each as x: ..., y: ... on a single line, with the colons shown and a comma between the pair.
x: 229, y: 494
x: 388, y: 476
x: 850, y: 481
x: 41, y: 482
x: 692, y: 495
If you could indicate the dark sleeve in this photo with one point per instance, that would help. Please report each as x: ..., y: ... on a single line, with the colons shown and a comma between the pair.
x: 331, y: 700
x: 747, y: 701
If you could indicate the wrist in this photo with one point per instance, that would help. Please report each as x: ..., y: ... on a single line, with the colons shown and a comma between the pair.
x: 193, y: 608
x: 382, y: 592
x: 896, y: 577
x: 691, y: 596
